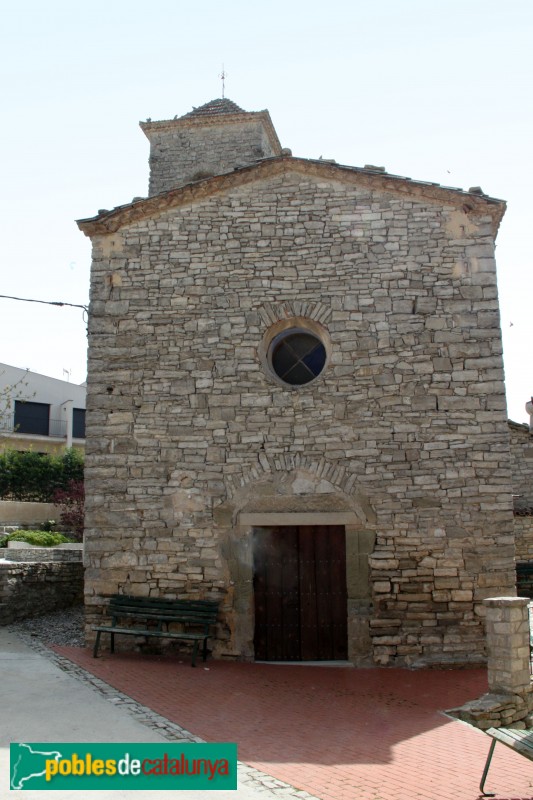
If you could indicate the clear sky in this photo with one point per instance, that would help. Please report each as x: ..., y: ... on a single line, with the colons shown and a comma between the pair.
x: 437, y: 90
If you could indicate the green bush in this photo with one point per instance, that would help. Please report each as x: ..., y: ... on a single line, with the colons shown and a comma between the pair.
x: 40, y: 538
x: 3, y: 541
x: 29, y: 476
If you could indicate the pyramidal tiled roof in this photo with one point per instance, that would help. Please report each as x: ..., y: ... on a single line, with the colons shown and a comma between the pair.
x: 215, y: 107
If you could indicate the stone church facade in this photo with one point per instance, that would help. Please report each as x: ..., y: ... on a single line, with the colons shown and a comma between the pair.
x: 296, y: 401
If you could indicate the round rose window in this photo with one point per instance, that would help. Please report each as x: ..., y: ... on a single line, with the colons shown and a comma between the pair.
x: 297, y: 356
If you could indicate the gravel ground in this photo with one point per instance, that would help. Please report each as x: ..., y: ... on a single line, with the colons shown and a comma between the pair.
x: 57, y: 627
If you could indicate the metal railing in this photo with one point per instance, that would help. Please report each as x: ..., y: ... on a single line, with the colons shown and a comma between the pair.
x: 57, y: 428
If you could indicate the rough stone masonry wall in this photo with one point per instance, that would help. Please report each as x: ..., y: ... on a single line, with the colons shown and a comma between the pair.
x: 409, y: 414
x: 27, y: 590
x: 42, y: 554
x: 523, y: 527
x: 521, y: 460
x: 522, y: 476
x: 188, y: 151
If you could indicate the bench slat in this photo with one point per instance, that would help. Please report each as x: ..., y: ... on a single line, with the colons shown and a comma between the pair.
x: 161, y: 634
x: 521, y: 741
x: 159, y: 602
x: 164, y: 615
x: 197, y: 613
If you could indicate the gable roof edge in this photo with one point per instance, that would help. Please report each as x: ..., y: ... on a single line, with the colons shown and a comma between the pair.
x: 470, y: 202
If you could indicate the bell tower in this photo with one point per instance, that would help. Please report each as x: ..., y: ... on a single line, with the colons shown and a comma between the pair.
x: 210, y: 140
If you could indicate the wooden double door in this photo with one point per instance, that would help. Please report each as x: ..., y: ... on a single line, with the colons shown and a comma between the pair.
x: 300, y: 593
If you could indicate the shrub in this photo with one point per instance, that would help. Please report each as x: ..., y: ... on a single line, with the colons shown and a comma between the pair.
x: 40, y: 538
x: 30, y: 476
x: 72, y: 462
x: 72, y: 503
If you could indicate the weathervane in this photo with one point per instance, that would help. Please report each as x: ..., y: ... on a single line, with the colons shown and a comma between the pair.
x: 223, y: 75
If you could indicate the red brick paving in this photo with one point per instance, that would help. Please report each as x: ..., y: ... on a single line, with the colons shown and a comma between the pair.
x: 338, y: 733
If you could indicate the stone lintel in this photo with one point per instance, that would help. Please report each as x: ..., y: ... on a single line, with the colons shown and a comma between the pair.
x: 506, y: 602
x: 266, y: 519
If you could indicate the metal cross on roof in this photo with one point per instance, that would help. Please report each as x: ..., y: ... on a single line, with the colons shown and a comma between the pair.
x: 223, y: 76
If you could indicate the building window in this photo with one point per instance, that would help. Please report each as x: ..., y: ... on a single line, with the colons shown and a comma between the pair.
x: 297, y: 356
x: 78, y: 423
x: 32, y: 418
x: 295, y: 351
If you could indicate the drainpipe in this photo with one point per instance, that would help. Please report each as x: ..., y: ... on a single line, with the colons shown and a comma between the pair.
x: 68, y: 407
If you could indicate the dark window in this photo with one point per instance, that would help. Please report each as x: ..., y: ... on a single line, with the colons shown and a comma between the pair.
x: 32, y: 417
x: 297, y: 357
x: 78, y: 423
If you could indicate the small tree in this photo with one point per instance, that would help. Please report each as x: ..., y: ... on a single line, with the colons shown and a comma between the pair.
x: 15, y: 391
x: 72, y: 507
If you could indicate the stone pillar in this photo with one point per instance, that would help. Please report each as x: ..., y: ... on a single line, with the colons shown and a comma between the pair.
x: 507, y: 628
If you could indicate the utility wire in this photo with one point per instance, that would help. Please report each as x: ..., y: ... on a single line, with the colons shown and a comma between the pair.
x: 85, y: 309
x: 46, y: 302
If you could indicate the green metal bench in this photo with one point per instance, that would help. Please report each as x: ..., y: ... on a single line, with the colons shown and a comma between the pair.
x: 524, y: 579
x: 195, y: 618
x: 519, y: 741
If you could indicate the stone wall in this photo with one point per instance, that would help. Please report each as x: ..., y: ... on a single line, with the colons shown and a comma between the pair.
x: 522, y: 460
x: 405, y: 431
x: 27, y: 590
x: 522, y: 472
x: 20, y: 551
x: 523, y: 526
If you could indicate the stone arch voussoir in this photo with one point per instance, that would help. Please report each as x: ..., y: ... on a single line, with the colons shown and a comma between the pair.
x: 274, y: 312
x: 238, y: 486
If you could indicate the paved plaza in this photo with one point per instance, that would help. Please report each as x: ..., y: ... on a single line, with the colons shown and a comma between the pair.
x: 334, y: 732
x: 328, y: 732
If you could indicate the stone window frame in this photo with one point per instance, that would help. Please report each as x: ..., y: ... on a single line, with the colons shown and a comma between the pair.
x: 305, y: 325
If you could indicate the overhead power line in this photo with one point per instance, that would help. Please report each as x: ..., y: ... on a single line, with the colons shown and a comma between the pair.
x: 85, y: 309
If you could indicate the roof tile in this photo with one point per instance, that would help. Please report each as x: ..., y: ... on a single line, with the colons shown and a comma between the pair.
x: 215, y: 107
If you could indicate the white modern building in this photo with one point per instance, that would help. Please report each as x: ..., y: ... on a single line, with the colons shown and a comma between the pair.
x: 40, y: 413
